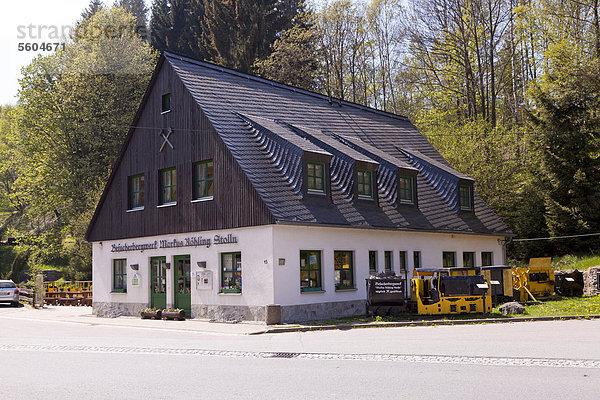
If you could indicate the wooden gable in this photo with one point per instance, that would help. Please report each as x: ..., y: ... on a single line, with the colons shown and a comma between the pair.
x: 235, y: 203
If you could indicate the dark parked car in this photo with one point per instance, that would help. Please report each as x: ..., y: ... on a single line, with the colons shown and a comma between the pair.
x: 9, y: 293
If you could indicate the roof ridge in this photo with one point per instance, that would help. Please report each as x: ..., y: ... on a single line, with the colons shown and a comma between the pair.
x: 271, y: 82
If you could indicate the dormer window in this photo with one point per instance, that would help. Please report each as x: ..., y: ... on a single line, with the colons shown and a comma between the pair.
x: 405, y: 190
x: 465, y: 198
x: 365, y: 184
x: 166, y: 103
x: 316, y: 177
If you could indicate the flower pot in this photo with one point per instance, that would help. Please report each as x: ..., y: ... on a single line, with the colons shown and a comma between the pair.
x: 156, y: 314
x: 178, y: 315
x: 231, y: 290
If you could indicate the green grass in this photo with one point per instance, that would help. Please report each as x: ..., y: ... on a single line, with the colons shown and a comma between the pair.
x: 576, y: 262
x: 551, y: 308
x: 565, y: 307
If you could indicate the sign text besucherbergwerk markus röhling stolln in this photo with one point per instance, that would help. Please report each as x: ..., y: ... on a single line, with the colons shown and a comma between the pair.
x: 193, y: 241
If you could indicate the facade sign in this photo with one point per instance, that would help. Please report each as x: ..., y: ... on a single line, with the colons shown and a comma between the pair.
x: 172, y: 243
x: 135, y: 281
x: 204, y: 280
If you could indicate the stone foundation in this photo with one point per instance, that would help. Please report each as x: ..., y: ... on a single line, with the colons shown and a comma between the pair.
x: 113, y: 310
x: 590, y: 281
x: 317, y: 311
x: 223, y: 313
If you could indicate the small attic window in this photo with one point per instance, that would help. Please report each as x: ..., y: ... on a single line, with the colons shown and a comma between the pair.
x: 166, y: 103
x: 465, y: 198
x: 316, y: 177
x: 405, y: 190
x: 365, y: 184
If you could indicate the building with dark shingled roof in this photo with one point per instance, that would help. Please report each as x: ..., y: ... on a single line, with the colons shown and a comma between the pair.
x: 234, y: 192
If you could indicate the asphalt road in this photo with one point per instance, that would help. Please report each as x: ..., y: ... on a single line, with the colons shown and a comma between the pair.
x: 45, y: 356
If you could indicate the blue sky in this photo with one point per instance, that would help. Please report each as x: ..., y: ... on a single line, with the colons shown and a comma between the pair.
x: 44, y: 16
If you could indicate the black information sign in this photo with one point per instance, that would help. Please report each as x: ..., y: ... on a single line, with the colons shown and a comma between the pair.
x: 388, y: 286
x: 385, y: 291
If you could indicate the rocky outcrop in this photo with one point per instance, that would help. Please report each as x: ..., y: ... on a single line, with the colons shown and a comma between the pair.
x: 591, y: 277
x: 511, y: 308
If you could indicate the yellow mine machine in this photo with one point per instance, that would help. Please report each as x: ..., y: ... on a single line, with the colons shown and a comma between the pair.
x: 500, y: 279
x: 535, y: 282
x: 450, y: 291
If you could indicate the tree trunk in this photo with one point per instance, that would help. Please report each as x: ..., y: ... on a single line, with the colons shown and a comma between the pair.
x: 492, y: 72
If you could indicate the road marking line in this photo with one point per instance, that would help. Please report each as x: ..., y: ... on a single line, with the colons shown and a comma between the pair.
x: 408, y: 358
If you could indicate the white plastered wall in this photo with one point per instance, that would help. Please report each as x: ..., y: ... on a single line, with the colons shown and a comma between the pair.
x: 289, y: 240
x: 255, y: 244
x: 264, y: 281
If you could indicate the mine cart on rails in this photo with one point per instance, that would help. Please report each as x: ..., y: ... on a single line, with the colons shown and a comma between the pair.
x: 387, y: 295
x: 568, y: 283
x: 500, y: 279
x: 535, y: 282
x: 450, y: 291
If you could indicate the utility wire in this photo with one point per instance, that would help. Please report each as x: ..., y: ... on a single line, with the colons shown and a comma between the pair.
x: 556, y: 237
x: 104, y: 125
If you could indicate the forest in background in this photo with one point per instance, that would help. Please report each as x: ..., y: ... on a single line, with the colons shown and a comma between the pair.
x: 508, y: 91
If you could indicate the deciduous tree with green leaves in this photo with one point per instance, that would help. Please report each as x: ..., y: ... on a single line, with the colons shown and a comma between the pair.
x: 73, y: 113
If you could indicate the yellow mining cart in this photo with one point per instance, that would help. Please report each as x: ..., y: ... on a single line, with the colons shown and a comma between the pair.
x: 450, y: 291
x: 535, y: 282
x: 500, y: 279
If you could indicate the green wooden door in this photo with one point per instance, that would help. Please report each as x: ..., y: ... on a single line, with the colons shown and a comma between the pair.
x: 183, y: 284
x: 158, y: 295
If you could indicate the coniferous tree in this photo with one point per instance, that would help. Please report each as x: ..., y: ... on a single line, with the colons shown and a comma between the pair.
x: 238, y: 32
x: 294, y: 59
x: 567, y: 123
x: 92, y: 9
x: 176, y: 26
x: 137, y: 8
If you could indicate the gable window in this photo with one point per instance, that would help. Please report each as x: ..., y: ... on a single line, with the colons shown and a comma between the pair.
x: 365, y: 186
x: 136, y: 192
x: 417, y: 259
x: 343, y: 266
x: 231, y: 272
x: 168, y: 186
x: 203, y: 180
x: 310, y: 270
x: 316, y: 177
x: 166, y: 103
x: 448, y: 259
x: 468, y: 259
x: 387, y: 261
x: 405, y: 190
x: 486, y: 258
x: 372, y: 262
x: 465, y: 201
x: 119, y: 276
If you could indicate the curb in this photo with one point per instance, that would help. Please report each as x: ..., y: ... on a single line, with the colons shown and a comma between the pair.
x: 420, y: 323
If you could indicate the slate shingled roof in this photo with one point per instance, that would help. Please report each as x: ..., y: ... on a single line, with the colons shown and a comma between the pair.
x: 268, y: 126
